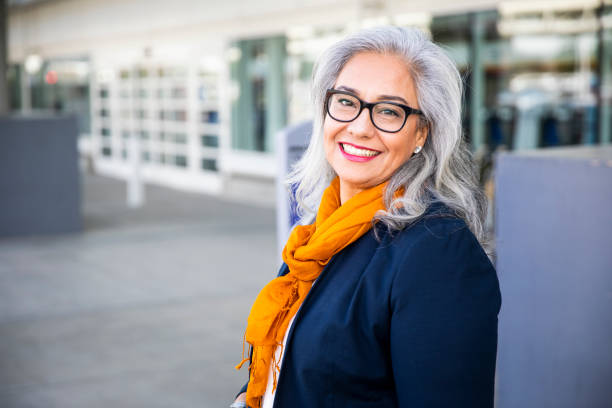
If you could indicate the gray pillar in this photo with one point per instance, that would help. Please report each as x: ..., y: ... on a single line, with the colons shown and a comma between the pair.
x: 554, y: 261
x: 39, y: 175
x: 477, y: 83
x: 3, y: 57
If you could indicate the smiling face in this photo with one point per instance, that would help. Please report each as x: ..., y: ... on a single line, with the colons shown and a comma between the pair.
x: 362, y: 155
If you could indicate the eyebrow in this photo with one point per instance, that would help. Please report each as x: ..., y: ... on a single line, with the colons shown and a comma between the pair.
x: 380, y: 97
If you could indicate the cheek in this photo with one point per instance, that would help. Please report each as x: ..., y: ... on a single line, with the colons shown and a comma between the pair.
x: 404, y: 146
x: 398, y: 144
x: 401, y: 150
x: 330, y: 131
x: 328, y: 142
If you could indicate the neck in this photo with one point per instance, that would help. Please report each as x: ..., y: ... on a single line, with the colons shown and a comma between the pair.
x: 347, y: 192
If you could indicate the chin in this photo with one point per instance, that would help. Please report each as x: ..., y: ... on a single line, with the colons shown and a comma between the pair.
x: 359, y: 182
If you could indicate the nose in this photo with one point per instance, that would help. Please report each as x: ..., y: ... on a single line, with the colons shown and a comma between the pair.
x: 362, y: 125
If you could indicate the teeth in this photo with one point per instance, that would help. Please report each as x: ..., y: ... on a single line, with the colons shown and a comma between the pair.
x: 358, y: 152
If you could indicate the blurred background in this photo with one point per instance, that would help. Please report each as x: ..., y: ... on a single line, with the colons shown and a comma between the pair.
x: 142, y: 141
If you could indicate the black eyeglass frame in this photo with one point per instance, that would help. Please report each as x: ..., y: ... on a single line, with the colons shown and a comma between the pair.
x: 366, y: 105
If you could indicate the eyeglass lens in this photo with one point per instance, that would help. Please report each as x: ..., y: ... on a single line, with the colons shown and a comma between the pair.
x: 385, y: 116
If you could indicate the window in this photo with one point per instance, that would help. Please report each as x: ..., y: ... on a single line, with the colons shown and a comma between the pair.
x: 209, y: 164
x: 210, y: 141
x: 210, y: 117
x: 180, y: 160
x: 179, y: 92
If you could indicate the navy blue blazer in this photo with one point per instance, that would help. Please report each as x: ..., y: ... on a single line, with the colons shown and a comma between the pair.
x: 409, y: 320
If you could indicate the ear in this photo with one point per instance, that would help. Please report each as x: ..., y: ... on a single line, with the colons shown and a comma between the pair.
x: 421, y: 135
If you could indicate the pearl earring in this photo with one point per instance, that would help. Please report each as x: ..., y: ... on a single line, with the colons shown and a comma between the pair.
x: 417, y: 149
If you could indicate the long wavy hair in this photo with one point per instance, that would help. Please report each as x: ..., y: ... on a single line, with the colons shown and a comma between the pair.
x: 442, y: 172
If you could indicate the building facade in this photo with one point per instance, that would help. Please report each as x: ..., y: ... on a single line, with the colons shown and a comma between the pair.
x: 191, y: 94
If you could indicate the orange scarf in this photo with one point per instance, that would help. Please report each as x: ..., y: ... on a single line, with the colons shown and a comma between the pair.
x: 309, y: 248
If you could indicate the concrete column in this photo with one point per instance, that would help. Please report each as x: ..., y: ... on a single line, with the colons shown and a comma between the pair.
x: 135, y: 186
x: 193, y: 119
x: 477, y: 83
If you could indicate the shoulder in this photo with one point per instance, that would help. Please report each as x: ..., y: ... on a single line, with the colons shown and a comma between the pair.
x: 439, y: 257
x: 434, y: 232
x: 440, y: 245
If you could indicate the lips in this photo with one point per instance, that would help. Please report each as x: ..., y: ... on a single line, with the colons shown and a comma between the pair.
x: 357, y: 153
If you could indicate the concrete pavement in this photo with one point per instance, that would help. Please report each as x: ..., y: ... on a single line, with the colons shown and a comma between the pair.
x: 146, y: 308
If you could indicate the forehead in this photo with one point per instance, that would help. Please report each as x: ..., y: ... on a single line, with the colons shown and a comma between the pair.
x: 373, y: 74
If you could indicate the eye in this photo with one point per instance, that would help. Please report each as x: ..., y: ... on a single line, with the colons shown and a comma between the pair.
x: 388, y: 111
x: 346, y: 102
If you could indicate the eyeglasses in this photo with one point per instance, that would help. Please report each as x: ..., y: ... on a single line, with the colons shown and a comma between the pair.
x: 389, y: 117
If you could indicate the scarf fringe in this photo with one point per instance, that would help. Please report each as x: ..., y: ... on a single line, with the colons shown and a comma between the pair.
x: 276, y: 365
x: 245, y: 356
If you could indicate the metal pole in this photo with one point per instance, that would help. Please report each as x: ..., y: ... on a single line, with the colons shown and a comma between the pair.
x: 4, y: 107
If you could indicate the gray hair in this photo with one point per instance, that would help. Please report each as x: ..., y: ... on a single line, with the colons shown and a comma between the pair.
x: 443, y: 171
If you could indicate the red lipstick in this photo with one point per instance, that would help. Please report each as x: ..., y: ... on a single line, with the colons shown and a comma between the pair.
x: 356, y: 158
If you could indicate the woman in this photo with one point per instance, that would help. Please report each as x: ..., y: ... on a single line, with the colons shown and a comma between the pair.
x: 387, y: 299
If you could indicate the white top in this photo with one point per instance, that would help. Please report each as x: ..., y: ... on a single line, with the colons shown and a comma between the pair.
x: 268, y: 398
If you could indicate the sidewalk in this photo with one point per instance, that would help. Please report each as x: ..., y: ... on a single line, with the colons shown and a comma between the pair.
x: 146, y: 308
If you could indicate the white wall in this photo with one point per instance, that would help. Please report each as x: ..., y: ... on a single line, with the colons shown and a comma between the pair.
x: 73, y: 27
x: 77, y: 26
